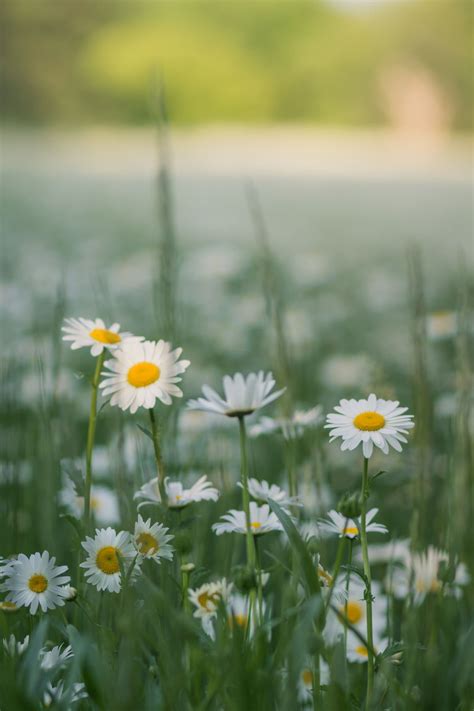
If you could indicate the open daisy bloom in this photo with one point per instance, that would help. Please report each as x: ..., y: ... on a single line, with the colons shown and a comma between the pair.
x: 35, y: 582
x: 242, y: 395
x: 370, y: 422
x: 151, y: 541
x: 141, y: 373
x: 305, y: 681
x: 290, y: 427
x: 207, y: 599
x: 357, y: 651
x: 353, y: 607
x: 348, y: 527
x: 261, y: 521
x: 84, y: 333
x: 104, y: 552
x: 177, y: 496
x: 263, y: 491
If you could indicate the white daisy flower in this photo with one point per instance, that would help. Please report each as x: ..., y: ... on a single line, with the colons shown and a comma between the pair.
x: 104, y: 503
x: 177, y: 496
x: 84, y: 333
x: 348, y: 527
x: 261, y: 521
x: 14, y: 647
x: 371, y: 421
x: 305, y: 681
x: 141, y: 373
x: 355, y: 607
x: 357, y: 651
x: 441, y: 324
x: 392, y: 552
x: 35, y: 582
x: 104, y: 551
x: 57, y: 694
x: 242, y: 395
x: 290, y: 427
x: 239, y: 610
x: 151, y: 541
x: 55, y: 658
x: 263, y: 491
x: 206, y: 600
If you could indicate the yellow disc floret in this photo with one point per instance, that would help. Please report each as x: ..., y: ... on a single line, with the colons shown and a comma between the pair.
x: 142, y: 374
x: 307, y: 676
x: 255, y: 525
x: 107, y: 560
x: 351, y: 531
x: 147, y: 543
x: 208, y: 600
x: 104, y: 336
x: 369, y: 421
x: 37, y: 583
x: 353, y: 611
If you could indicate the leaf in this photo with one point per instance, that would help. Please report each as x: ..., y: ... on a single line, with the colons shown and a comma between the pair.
x: 75, y: 523
x: 375, y: 476
x: 357, y: 571
x: 145, y: 431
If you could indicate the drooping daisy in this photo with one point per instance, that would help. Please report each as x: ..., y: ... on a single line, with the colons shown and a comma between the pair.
x: 242, y: 395
x: 263, y: 491
x: 35, y: 581
x: 151, y: 541
x: 291, y: 427
x: 371, y: 421
x: 177, y: 496
x: 348, y: 527
x: 104, y: 502
x: 14, y: 647
x: 261, y: 521
x: 104, y: 552
x: 84, y: 333
x: 357, y: 651
x: 207, y: 599
x: 55, y: 658
x: 141, y: 373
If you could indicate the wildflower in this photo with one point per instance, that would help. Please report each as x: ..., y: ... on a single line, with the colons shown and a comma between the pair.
x: 59, y: 694
x: 14, y: 647
x: 177, y: 496
x: 141, y: 373
x: 371, y: 421
x: 104, y: 552
x: 441, y: 324
x: 56, y: 658
x: 353, y: 607
x: 84, y: 333
x: 263, y: 491
x: 35, y: 581
x: 261, y: 521
x: 357, y: 650
x: 206, y: 600
x: 291, y: 427
x: 393, y: 551
x: 348, y: 527
x: 239, y: 612
x: 305, y: 681
x: 243, y: 395
x: 151, y: 541
x: 104, y: 503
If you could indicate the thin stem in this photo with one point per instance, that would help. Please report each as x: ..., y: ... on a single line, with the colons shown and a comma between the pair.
x: 348, y: 577
x: 158, y: 456
x: 90, y: 439
x: 259, y: 580
x: 340, y: 551
x: 368, y: 591
x: 246, y: 506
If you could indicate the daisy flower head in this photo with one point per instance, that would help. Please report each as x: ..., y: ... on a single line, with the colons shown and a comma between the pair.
x: 14, y: 647
x: 239, y: 612
x: 105, y: 553
x: 141, y: 373
x: 353, y: 607
x: 60, y: 694
x: 206, y: 599
x: 35, y: 581
x: 349, y: 527
x: 152, y: 540
x: 84, y: 333
x: 262, y: 520
x: 55, y: 658
x: 290, y: 427
x: 369, y: 422
x: 263, y: 491
x: 305, y: 681
x: 177, y: 496
x: 243, y: 395
x: 104, y: 503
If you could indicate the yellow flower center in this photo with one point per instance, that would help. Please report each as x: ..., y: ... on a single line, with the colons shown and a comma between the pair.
x: 354, y: 612
x: 351, y: 531
x: 307, y: 677
x: 205, y: 599
x: 369, y: 421
x: 255, y: 525
x: 241, y: 620
x: 107, y: 560
x: 104, y: 336
x: 146, y: 543
x: 142, y: 374
x: 37, y: 583
x: 423, y: 586
x: 363, y: 651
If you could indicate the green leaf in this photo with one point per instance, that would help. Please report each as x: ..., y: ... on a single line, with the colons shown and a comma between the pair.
x: 145, y: 431
x: 375, y: 476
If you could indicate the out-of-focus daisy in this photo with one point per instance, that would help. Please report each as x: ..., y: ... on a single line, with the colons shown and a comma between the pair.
x: 61, y: 694
x: 14, y: 647
x: 261, y: 521
x: 8, y: 607
x: 141, y: 373
x: 55, y: 658
x: 423, y: 570
x: 177, y: 496
x: 305, y: 681
x: 348, y: 527
x: 242, y: 395
x: 263, y: 491
x: 104, y: 552
x: 357, y: 651
x: 370, y: 422
x: 441, y: 324
x: 239, y: 611
x: 152, y: 540
x: 84, y: 333
x: 290, y: 427
x: 207, y: 599
x: 104, y: 503
x: 392, y: 552
x: 353, y: 607
x: 35, y: 581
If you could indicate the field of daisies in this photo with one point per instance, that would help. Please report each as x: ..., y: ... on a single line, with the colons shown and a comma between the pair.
x: 266, y: 503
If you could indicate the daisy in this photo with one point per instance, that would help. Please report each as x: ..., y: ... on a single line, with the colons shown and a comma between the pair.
x: 84, y: 333
x: 15, y: 648
x: 263, y: 491
x: 104, y: 503
x: 206, y: 600
x: 261, y: 521
x: 305, y: 681
x: 391, y: 552
x: 35, y: 582
x: 177, y: 496
x: 354, y: 608
x: 58, y: 694
x: 239, y: 611
x: 358, y: 652
x: 290, y: 427
x: 56, y: 658
x: 104, y: 551
x: 151, y: 541
x: 141, y: 373
x: 348, y: 527
x: 371, y: 421
x: 243, y: 395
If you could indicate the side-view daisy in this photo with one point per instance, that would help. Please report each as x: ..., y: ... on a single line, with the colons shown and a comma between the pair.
x: 105, y: 551
x: 371, y: 422
x: 55, y: 658
x: 206, y: 600
x: 291, y: 427
x: 14, y: 647
x: 84, y: 333
x: 242, y: 395
x: 35, y: 581
x: 152, y: 540
x: 261, y: 521
x: 263, y: 491
x: 177, y: 496
x: 348, y: 527
x: 141, y: 373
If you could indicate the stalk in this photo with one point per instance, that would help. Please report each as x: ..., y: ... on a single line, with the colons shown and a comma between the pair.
x: 250, y: 543
x: 340, y: 551
x: 348, y: 577
x: 90, y: 439
x: 368, y: 591
x: 158, y: 456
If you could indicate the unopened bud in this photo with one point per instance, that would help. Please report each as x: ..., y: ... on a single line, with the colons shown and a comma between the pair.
x: 349, y: 505
x: 245, y: 579
x: 187, y: 567
x: 71, y: 593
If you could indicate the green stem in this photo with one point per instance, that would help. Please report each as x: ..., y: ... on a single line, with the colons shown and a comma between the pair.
x: 158, y: 456
x: 90, y: 439
x: 337, y: 565
x: 368, y: 591
x: 348, y: 577
x: 246, y: 506
x: 259, y: 580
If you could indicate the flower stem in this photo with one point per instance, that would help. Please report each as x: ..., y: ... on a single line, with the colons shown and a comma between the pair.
x: 348, y: 578
x: 158, y: 456
x: 90, y: 439
x: 244, y: 477
x: 259, y: 580
x: 368, y: 591
x: 340, y: 551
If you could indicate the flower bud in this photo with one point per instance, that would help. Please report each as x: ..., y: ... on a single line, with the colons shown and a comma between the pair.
x: 71, y: 593
x: 187, y: 567
x: 244, y: 579
x: 349, y: 505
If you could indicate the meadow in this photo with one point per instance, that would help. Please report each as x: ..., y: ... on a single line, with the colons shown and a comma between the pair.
x: 340, y: 285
